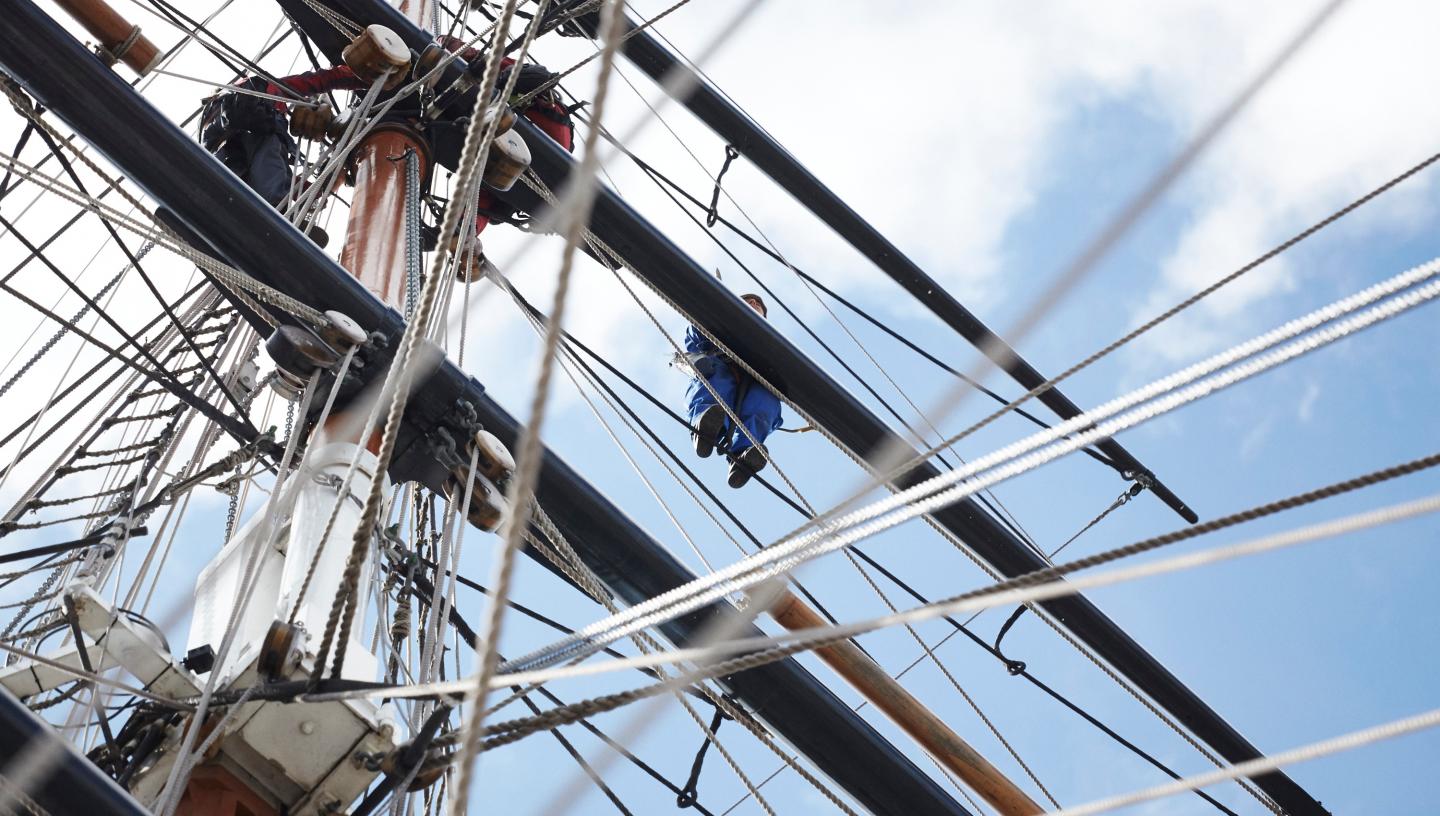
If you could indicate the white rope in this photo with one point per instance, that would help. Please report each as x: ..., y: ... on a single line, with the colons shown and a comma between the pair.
x: 187, y: 758
x: 785, y: 643
x: 1255, y: 767
x: 530, y: 450
x: 225, y: 273
x: 792, y: 551
x: 231, y: 88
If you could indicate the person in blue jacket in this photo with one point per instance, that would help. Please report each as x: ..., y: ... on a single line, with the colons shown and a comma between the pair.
x: 756, y: 407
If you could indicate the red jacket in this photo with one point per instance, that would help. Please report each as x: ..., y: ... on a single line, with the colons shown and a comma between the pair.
x: 547, y: 114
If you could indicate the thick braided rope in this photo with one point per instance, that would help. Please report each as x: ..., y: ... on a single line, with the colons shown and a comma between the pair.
x: 478, y: 138
x: 945, y: 670
x: 1050, y: 574
x: 829, y: 635
x: 571, y: 562
x: 514, y: 729
x: 531, y: 452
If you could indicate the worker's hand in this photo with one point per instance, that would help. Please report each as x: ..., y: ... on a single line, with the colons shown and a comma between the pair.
x: 311, y: 122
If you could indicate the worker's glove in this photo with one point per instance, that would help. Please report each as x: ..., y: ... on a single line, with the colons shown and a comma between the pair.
x: 312, y: 122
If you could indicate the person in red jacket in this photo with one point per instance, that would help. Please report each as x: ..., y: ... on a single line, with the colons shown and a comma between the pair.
x: 248, y: 133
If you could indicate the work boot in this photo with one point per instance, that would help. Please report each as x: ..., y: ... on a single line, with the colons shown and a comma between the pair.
x: 708, y: 428
x: 750, y: 462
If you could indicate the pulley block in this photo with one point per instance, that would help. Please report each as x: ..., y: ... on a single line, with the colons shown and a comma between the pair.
x: 509, y: 157
x: 297, y: 354
x: 280, y: 650
x: 376, y: 51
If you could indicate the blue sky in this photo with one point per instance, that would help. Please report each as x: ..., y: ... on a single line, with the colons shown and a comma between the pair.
x: 991, y: 143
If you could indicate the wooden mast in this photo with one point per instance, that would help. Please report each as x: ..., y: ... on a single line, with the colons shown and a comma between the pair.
x: 937, y: 738
x: 115, y: 33
x: 374, y: 252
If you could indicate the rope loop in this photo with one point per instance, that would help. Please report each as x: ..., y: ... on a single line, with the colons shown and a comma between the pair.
x: 713, y: 215
x: 690, y: 791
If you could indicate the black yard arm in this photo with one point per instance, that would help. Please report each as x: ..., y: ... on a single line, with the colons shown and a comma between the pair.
x: 68, y: 783
x: 248, y: 233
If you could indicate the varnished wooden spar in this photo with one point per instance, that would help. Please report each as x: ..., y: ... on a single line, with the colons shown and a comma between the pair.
x: 113, y: 32
x: 910, y: 714
x: 374, y: 250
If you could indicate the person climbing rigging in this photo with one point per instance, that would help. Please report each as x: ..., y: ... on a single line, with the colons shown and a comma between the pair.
x: 757, y: 408
x: 248, y: 133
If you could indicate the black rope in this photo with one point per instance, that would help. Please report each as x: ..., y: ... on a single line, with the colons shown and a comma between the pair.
x: 1034, y: 681
x: 55, y: 549
x: 310, y: 55
x: 880, y: 568
x: 238, y: 427
x: 623, y: 751
x: 690, y: 791
x: 197, y: 28
x: 468, y: 634
x: 140, y: 270
x: 713, y: 214
x: 20, y: 143
x: 74, y: 618
x: 69, y: 389
x: 54, y: 236
x: 579, y: 760
x: 1012, y: 666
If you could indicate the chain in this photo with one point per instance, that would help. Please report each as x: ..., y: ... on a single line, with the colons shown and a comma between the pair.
x: 413, y: 248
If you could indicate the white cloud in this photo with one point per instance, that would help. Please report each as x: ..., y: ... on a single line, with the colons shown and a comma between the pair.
x: 1327, y: 129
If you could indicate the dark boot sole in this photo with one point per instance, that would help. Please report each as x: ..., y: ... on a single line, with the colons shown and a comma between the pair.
x: 708, y: 426
x: 749, y: 463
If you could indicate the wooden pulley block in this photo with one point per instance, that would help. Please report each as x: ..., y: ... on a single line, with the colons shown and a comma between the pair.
x: 429, y: 775
x: 488, y: 507
x: 507, y: 118
x: 375, y: 51
x: 493, y: 459
x: 509, y: 156
x: 278, y: 650
x: 312, y: 122
x: 469, y: 260
x: 426, y: 62
x: 336, y: 128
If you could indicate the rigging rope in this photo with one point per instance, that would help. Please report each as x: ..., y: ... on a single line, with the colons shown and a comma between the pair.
x: 1014, y: 460
x: 1262, y: 765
